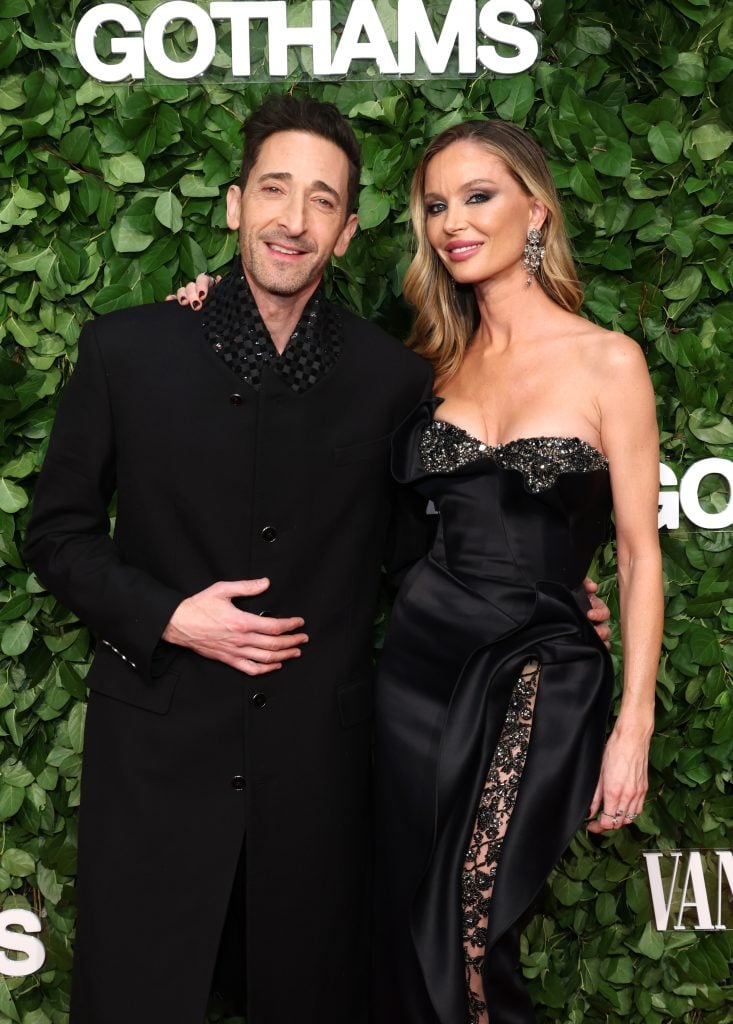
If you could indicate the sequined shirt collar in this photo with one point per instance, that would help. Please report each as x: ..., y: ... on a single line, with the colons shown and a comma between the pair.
x: 236, y: 332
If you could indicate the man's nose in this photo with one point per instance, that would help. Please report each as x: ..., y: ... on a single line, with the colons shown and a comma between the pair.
x: 293, y: 214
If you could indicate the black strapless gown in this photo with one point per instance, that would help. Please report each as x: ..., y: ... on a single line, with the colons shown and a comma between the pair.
x: 501, y: 589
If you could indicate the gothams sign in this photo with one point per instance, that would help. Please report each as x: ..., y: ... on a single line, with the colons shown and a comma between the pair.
x: 262, y: 38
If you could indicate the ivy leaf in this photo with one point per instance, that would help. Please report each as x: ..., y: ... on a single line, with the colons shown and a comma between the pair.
x: 12, y: 496
x: 711, y: 140
x: 665, y: 142
x: 686, y: 285
x: 704, y: 645
x: 126, y: 238
x: 18, y: 863
x: 126, y: 169
x: 11, y: 800
x: 76, y: 727
x: 16, y: 638
x: 584, y: 183
x: 719, y: 432
x: 687, y: 74
x: 614, y: 158
x: 513, y: 96
x: 373, y: 208
x: 168, y: 211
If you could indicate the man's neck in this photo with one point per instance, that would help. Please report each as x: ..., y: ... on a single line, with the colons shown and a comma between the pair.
x: 280, y: 313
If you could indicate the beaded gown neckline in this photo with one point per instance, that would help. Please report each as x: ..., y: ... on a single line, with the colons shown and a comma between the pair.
x: 445, y: 447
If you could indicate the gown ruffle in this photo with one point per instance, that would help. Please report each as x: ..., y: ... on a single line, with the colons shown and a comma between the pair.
x: 502, y: 586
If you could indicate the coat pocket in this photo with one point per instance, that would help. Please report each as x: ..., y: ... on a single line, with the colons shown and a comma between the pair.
x: 356, y: 701
x: 366, y: 451
x: 114, y: 678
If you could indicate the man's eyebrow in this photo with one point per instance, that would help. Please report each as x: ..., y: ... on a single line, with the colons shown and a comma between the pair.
x: 317, y: 186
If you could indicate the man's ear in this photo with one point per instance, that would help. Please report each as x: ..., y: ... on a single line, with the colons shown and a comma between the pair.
x: 347, y: 233
x: 234, y: 206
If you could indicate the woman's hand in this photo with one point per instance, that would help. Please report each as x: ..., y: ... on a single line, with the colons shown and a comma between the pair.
x: 194, y: 293
x: 599, y: 613
x: 622, y: 786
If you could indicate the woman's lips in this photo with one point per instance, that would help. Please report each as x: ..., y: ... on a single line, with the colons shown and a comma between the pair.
x: 459, y: 251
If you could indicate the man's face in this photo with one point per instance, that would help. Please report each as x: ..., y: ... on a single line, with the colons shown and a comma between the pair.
x: 292, y: 213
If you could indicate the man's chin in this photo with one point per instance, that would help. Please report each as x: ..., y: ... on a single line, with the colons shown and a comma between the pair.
x: 286, y: 285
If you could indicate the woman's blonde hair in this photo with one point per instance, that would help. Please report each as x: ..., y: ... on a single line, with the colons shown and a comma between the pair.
x: 447, y: 313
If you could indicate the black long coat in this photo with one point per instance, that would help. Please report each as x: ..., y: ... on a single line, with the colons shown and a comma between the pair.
x: 183, y: 755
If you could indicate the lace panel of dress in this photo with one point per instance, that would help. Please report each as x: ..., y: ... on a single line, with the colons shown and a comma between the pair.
x: 492, y: 820
x: 444, y: 448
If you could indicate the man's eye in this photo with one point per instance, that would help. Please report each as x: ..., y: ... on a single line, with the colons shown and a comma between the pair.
x: 323, y: 201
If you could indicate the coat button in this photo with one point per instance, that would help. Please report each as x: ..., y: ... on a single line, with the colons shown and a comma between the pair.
x: 235, y: 399
x: 238, y: 782
x: 259, y: 700
x: 269, y: 534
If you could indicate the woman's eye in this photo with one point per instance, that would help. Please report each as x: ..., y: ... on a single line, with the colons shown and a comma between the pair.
x: 478, y: 197
x: 432, y: 208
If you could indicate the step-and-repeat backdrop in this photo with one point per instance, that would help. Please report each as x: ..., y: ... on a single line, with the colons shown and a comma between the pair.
x: 119, y: 126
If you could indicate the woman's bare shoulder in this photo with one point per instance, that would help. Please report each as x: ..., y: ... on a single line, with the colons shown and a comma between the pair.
x: 607, y: 351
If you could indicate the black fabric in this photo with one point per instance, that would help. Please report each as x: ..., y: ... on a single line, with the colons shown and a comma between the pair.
x: 235, y: 330
x: 177, y: 765
x: 495, y: 593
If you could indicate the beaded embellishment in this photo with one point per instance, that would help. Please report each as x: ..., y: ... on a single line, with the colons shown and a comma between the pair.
x: 235, y: 331
x: 445, y: 448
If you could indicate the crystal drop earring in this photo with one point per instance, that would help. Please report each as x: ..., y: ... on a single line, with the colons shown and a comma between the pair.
x: 534, y: 253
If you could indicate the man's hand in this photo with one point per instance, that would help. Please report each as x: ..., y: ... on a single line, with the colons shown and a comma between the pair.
x: 599, y: 612
x: 211, y: 625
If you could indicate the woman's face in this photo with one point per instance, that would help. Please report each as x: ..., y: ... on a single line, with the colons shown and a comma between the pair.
x: 476, y: 214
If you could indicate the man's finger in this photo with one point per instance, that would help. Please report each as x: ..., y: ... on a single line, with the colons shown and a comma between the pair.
x: 263, y: 642
x: 261, y: 657
x: 278, y: 626
x: 240, y: 588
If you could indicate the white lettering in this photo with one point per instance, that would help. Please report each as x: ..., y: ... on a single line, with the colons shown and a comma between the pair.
x: 661, y: 904
x: 525, y: 43
x: 239, y: 13
x: 205, y: 46
x: 725, y: 867
x: 363, y: 17
x: 689, y: 494
x: 133, y: 65
x: 20, y: 942
x: 699, y: 901
x: 363, y: 37
x: 669, y: 501
x: 414, y: 28
x: 317, y: 36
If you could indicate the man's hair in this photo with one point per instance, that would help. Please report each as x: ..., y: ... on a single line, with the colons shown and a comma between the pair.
x: 286, y: 114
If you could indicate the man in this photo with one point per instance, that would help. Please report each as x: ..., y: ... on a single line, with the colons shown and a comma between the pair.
x: 247, y: 444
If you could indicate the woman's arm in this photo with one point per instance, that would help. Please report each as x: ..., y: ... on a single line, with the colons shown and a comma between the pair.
x: 631, y: 441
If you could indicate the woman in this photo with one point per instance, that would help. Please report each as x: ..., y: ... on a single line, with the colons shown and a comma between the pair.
x: 494, y: 690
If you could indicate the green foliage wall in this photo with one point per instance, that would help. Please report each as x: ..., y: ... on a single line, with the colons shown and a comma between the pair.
x: 109, y: 195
